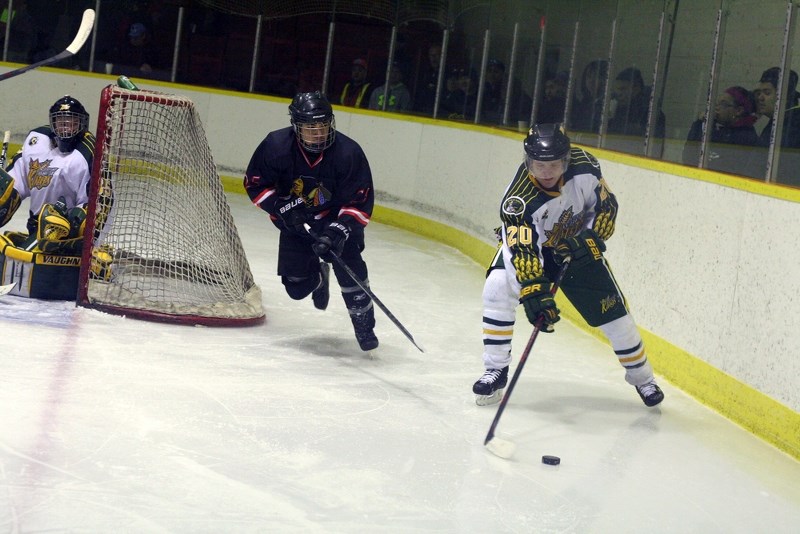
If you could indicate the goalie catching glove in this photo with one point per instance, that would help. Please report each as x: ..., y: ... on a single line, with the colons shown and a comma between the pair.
x: 584, y: 248
x: 60, y: 231
x: 331, y: 242
x: 536, y: 297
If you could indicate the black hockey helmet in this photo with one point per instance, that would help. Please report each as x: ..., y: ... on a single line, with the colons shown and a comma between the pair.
x: 313, y: 121
x: 68, y: 121
x: 547, y: 142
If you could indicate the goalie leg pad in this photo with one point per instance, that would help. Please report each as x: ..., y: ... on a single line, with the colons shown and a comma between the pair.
x: 40, y: 276
x: 9, y: 198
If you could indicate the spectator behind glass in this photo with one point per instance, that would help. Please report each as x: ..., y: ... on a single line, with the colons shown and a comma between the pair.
x: 587, y: 105
x: 734, y: 116
x: 493, y: 97
x: 399, y: 98
x: 44, y: 15
x: 630, y: 114
x: 356, y: 91
x: 554, y: 99
x: 766, y: 95
x: 458, y: 101
x: 425, y: 91
x: 137, y: 52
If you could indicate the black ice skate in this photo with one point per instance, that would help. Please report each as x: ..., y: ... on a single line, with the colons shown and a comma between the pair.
x: 650, y: 393
x: 322, y: 294
x: 363, y: 324
x: 489, y: 388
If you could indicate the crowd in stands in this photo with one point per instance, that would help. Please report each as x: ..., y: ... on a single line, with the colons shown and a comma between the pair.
x: 134, y: 33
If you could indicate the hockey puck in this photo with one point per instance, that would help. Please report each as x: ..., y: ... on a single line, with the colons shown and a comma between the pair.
x: 551, y: 460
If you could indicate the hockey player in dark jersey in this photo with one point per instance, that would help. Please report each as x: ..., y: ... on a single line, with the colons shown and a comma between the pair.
x: 308, y: 173
x: 557, y: 205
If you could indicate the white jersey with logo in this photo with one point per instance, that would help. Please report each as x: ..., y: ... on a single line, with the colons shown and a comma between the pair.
x: 534, y: 218
x: 44, y: 173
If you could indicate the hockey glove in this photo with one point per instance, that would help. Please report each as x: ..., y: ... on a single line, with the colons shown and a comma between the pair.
x: 584, y: 248
x: 59, y: 231
x: 537, y: 298
x: 293, y: 213
x: 331, y: 242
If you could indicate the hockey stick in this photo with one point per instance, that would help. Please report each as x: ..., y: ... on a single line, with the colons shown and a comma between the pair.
x: 5, y: 289
x: 6, y: 139
x: 87, y: 23
x: 501, y: 447
x: 366, y: 289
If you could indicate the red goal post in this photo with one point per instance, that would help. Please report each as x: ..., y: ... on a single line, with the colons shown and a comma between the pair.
x: 160, y: 242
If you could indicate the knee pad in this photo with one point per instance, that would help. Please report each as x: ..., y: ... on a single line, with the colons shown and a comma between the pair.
x: 299, y: 288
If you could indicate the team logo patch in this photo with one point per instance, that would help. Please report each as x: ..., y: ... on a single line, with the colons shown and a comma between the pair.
x: 513, y: 206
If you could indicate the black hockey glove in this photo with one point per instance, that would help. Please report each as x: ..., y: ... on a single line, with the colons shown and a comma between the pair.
x: 584, y: 248
x: 293, y: 213
x: 537, y: 298
x: 331, y: 242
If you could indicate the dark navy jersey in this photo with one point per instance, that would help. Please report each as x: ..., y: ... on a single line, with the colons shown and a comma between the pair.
x: 335, y: 184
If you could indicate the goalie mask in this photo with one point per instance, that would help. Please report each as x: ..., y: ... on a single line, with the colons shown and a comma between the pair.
x: 68, y: 120
x: 546, y: 143
x: 313, y: 121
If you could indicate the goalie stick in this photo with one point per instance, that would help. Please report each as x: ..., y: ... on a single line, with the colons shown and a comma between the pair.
x: 5, y: 289
x: 498, y: 446
x: 6, y: 139
x: 85, y: 29
x: 366, y: 289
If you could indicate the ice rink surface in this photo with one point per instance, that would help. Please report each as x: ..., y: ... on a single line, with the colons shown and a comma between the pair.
x: 110, y: 424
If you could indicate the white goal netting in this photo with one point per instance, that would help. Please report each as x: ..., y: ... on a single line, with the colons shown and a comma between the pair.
x: 160, y: 241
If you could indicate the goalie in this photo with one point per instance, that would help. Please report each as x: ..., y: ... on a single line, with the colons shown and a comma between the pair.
x: 52, y: 169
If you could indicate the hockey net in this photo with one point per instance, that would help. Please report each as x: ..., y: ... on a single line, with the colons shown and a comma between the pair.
x: 160, y: 242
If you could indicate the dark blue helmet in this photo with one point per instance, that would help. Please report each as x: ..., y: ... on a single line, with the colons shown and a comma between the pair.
x: 313, y: 121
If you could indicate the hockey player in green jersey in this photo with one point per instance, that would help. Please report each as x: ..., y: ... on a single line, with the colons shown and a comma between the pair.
x: 557, y: 205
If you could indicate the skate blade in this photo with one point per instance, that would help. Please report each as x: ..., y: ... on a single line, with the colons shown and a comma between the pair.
x: 488, y: 400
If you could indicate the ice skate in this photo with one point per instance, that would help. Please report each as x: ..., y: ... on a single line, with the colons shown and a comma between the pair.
x: 364, y: 324
x: 321, y: 295
x: 650, y: 393
x: 367, y: 340
x: 489, y: 387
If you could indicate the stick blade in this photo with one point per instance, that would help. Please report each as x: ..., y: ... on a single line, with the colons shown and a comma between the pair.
x: 85, y: 29
x: 5, y: 289
x: 501, y: 447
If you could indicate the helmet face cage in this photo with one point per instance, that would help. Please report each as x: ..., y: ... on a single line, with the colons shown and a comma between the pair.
x: 313, y: 121
x: 68, y: 121
x: 546, y: 142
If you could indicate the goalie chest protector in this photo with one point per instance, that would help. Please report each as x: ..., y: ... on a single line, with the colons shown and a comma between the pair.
x: 40, y: 276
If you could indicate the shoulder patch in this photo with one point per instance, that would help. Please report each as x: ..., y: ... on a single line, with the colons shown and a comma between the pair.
x: 513, y: 206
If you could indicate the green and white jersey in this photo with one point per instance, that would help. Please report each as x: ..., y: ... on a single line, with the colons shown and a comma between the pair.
x: 44, y: 173
x: 534, y: 218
